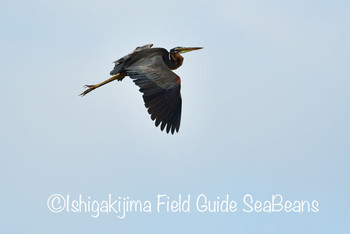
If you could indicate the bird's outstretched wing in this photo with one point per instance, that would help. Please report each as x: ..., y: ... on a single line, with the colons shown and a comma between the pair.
x: 161, y: 91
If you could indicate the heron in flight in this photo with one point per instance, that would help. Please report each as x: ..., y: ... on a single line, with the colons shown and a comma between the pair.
x: 151, y: 70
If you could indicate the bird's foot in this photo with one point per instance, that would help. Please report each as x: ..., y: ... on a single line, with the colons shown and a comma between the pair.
x: 89, y: 89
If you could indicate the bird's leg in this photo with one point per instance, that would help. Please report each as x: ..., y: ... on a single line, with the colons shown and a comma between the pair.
x: 118, y: 77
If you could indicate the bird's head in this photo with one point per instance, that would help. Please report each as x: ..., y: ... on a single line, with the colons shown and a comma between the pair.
x: 176, y: 59
x: 181, y: 50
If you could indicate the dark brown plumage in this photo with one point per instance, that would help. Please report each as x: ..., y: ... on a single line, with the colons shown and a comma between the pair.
x: 150, y: 69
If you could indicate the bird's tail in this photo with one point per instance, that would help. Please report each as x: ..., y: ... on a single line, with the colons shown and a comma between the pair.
x: 117, y: 68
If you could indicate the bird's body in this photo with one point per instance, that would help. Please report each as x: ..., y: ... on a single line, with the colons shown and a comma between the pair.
x: 151, y: 70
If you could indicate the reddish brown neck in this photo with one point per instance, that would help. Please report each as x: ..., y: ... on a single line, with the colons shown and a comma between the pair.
x: 174, y: 61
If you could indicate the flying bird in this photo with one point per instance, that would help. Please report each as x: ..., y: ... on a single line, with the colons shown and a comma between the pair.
x: 151, y: 70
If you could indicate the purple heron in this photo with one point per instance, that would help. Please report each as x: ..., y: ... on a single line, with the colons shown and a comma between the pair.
x: 151, y: 70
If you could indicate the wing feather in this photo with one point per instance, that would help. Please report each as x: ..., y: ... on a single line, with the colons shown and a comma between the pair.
x: 161, y: 91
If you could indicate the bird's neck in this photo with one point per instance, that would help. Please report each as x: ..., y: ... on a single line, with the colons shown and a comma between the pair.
x: 174, y: 61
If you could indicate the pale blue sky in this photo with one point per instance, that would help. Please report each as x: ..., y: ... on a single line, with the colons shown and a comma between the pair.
x: 265, y: 111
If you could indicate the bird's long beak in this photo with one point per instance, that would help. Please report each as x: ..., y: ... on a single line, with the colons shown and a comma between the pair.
x: 188, y: 49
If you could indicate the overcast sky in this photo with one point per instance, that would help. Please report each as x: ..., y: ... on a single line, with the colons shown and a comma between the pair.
x: 265, y: 111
